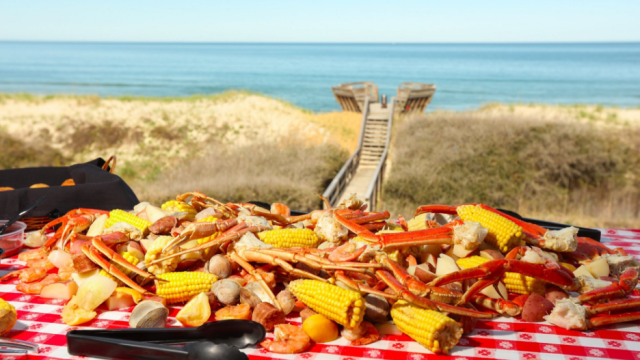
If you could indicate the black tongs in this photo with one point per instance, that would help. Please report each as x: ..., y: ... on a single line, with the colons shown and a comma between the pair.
x: 214, y: 340
x: 583, y: 232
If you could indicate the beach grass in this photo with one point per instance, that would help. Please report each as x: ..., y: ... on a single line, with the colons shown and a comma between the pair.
x: 555, y: 167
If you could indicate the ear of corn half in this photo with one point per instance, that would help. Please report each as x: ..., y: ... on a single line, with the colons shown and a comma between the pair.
x: 180, y: 206
x: 345, y: 307
x: 417, y: 223
x: 116, y: 216
x: 290, y: 238
x: 182, y: 286
x: 503, y: 233
x: 430, y: 328
x: 515, y: 283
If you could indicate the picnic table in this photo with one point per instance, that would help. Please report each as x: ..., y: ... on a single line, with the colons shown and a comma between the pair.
x: 502, y: 338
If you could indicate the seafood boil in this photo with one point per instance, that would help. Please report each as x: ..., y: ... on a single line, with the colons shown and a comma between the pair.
x: 344, y: 269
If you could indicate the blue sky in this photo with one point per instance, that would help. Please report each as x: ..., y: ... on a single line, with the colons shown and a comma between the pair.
x: 321, y: 21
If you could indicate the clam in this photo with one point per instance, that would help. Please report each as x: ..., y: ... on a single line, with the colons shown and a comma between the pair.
x: 149, y: 314
x: 248, y: 297
x: 220, y: 266
x: 227, y: 291
x: 286, y: 300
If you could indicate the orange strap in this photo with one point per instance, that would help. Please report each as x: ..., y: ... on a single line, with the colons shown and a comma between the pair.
x: 106, y: 165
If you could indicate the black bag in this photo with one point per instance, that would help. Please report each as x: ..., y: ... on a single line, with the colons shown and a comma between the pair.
x: 94, y: 188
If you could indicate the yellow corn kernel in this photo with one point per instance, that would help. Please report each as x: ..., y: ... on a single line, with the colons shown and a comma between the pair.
x: 155, y: 252
x: 116, y: 216
x: 503, y: 233
x: 182, y: 286
x: 345, y: 307
x: 418, y: 223
x: 179, y: 206
x: 431, y: 329
x: 514, y: 282
x: 106, y: 274
x: 290, y: 238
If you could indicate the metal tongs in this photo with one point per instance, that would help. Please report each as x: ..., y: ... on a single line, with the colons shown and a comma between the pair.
x: 20, y: 346
x: 214, y: 340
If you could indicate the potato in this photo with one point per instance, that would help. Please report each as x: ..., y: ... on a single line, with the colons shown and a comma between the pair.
x: 431, y: 260
x: 424, y: 273
x: 554, y: 293
x: 491, y: 292
x: 598, y: 268
x: 446, y: 265
x: 155, y: 213
x: 119, y: 301
x: 98, y: 225
x: 459, y: 251
x: 60, y: 290
x: 146, y: 244
x: 491, y: 254
x: 536, y: 308
x: 582, y: 270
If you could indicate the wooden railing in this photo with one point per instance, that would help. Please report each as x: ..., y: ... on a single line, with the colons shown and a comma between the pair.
x: 342, y: 179
x: 375, y: 186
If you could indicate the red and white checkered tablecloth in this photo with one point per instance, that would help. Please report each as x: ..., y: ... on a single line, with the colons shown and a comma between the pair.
x: 503, y: 338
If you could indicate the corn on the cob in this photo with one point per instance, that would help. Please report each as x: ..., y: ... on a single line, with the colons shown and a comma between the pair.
x: 431, y: 329
x: 418, y: 223
x: 182, y: 286
x: 155, y: 252
x: 515, y: 283
x: 503, y: 233
x: 345, y: 307
x: 179, y: 206
x: 116, y: 216
x: 289, y: 238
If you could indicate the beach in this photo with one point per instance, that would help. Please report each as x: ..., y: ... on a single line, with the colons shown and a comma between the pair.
x: 241, y: 146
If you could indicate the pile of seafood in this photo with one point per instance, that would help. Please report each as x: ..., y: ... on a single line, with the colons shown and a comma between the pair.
x: 343, y: 269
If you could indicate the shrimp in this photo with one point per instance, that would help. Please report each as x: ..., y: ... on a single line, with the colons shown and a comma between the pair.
x: 242, y: 311
x: 42, y: 263
x: 36, y: 254
x: 346, y: 252
x: 65, y: 273
x: 35, y: 287
x: 364, y: 334
x: 288, y: 339
x: 27, y: 275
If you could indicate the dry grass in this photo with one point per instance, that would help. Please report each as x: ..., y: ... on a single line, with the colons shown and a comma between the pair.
x: 290, y: 173
x: 551, y: 168
x: 343, y: 126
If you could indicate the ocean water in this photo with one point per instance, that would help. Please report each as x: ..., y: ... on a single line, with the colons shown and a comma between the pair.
x: 466, y: 75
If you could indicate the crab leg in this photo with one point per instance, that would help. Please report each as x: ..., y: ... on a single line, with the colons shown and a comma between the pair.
x: 118, y: 259
x: 95, y: 256
x: 199, y: 230
x: 628, y: 282
x: 404, y: 294
x: 501, y: 306
x: 216, y: 242
x: 491, y: 271
x: 251, y: 270
x: 614, y: 305
x: 435, y: 236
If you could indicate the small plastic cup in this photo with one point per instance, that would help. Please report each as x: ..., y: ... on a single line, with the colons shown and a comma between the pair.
x: 11, y: 240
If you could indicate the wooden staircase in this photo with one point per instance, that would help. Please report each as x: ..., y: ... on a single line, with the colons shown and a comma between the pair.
x: 362, y: 173
x: 375, y: 135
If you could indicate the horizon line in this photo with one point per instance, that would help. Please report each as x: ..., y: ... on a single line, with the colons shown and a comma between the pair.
x: 323, y: 42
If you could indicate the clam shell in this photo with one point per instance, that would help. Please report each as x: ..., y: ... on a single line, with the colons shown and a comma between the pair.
x: 149, y: 314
